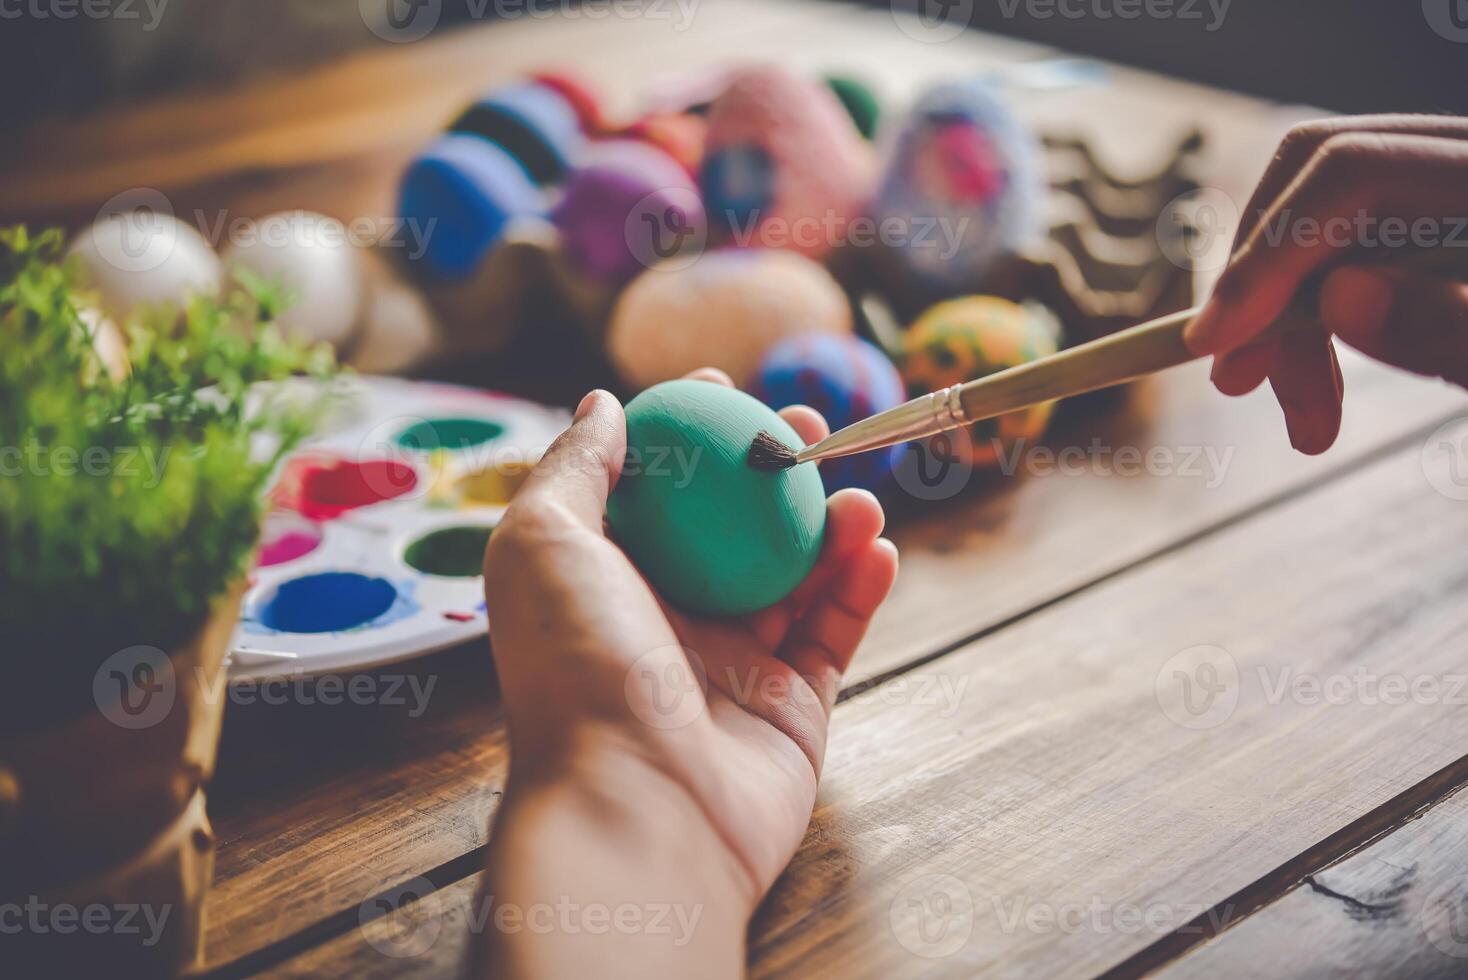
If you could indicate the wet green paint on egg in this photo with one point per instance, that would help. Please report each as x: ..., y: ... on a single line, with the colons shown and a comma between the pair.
x: 712, y: 534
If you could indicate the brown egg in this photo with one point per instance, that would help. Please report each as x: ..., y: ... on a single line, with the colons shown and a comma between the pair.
x: 724, y: 310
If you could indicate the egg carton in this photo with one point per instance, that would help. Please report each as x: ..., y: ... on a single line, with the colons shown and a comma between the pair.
x: 1115, y: 252
x: 1119, y: 249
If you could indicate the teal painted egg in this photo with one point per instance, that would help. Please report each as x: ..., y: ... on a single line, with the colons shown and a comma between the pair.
x: 712, y: 534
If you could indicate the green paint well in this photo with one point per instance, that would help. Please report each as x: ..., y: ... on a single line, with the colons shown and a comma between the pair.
x: 449, y: 433
x: 712, y: 534
x: 457, y: 552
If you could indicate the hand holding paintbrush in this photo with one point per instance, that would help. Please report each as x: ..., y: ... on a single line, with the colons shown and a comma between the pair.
x: 1124, y: 356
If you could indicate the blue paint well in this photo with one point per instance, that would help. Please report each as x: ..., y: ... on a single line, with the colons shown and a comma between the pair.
x: 327, y: 603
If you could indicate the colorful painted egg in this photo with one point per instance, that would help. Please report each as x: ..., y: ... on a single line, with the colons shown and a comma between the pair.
x: 783, y: 165
x: 579, y: 95
x: 725, y: 309
x: 963, y: 183
x: 627, y: 207
x: 846, y: 379
x: 681, y: 135
x: 311, y: 257
x: 534, y: 123
x: 458, y: 198
x: 712, y: 533
x: 859, y: 101
x: 110, y: 344
x: 970, y: 337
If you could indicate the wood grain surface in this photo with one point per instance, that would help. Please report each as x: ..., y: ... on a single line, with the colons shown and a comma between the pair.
x: 1394, y: 909
x: 296, y: 850
x: 1074, y: 802
x: 1003, y: 766
x: 335, y: 138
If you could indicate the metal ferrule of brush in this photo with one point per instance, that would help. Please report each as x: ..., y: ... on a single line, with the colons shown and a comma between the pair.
x: 923, y: 416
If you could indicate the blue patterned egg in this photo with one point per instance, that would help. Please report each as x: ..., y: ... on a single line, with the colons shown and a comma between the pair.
x: 845, y: 379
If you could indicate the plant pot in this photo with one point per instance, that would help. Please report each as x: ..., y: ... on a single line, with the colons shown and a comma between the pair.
x: 105, y: 846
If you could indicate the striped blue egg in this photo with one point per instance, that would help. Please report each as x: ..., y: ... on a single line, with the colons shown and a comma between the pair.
x: 845, y: 379
x: 533, y: 123
x: 460, y: 195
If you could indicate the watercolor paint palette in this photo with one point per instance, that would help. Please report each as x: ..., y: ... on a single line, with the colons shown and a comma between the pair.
x: 371, y: 551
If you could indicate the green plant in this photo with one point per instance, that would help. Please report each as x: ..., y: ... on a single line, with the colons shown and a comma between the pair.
x: 127, y: 503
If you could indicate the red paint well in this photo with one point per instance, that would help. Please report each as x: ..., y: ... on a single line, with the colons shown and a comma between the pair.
x: 324, y: 487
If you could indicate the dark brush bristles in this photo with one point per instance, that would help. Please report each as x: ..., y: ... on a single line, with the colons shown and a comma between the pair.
x: 769, y: 454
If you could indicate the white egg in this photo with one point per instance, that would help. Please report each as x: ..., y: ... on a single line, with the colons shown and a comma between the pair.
x: 313, y: 259
x: 109, y: 343
x: 142, y: 259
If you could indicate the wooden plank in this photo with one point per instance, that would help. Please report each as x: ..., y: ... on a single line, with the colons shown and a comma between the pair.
x: 408, y: 794
x: 427, y: 936
x: 1071, y: 777
x: 1394, y: 909
x: 320, y: 807
x: 1066, y: 809
x: 969, y: 566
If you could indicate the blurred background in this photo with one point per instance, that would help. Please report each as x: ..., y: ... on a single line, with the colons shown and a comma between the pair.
x: 228, y: 111
x: 1344, y: 56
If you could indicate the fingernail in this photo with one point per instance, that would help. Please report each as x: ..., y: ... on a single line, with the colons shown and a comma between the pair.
x: 1305, y: 431
x: 587, y: 404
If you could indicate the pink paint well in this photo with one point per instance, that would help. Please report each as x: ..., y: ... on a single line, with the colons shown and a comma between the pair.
x: 286, y: 537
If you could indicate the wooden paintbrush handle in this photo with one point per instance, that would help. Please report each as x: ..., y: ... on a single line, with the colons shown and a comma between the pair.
x: 1155, y: 346
x: 1123, y: 356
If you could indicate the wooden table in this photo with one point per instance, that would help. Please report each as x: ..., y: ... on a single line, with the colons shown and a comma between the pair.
x: 1191, y: 704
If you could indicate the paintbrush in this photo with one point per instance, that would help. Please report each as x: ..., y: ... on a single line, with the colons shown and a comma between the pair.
x: 1123, y: 356
x: 1112, y: 360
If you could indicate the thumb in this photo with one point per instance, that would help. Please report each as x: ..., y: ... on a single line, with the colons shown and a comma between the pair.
x: 580, y: 468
